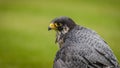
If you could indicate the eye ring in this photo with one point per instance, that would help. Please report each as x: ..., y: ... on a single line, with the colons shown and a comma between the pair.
x: 60, y: 24
x: 56, y: 24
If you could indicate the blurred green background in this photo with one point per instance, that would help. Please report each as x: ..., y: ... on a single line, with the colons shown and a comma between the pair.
x: 25, y: 41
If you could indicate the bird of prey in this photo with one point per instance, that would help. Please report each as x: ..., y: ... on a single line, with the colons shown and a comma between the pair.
x: 80, y: 47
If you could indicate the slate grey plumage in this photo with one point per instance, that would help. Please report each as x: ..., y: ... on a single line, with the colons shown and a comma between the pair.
x: 81, y: 47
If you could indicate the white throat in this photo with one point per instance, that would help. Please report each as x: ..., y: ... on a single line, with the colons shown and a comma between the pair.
x: 61, y: 35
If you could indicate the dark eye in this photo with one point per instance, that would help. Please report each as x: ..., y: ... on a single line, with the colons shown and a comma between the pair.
x: 59, y: 24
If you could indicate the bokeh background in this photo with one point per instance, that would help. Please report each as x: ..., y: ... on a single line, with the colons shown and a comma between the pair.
x: 25, y: 41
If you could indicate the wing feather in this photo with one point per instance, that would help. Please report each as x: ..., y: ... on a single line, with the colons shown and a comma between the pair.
x: 84, y: 48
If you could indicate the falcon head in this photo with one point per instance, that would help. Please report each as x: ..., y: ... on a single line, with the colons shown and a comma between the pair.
x: 62, y: 24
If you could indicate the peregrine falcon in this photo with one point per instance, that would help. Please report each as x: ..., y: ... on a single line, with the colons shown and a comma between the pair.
x: 80, y: 47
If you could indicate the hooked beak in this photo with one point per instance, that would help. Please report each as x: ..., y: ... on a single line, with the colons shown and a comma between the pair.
x: 51, y: 26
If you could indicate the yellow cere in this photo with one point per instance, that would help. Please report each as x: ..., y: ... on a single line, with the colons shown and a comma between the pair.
x: 52, y: 25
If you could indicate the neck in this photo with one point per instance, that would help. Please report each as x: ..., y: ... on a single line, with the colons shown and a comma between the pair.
x: 60, y: 36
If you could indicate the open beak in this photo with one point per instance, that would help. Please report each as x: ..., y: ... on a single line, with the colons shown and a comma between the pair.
x: 51, y: 26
